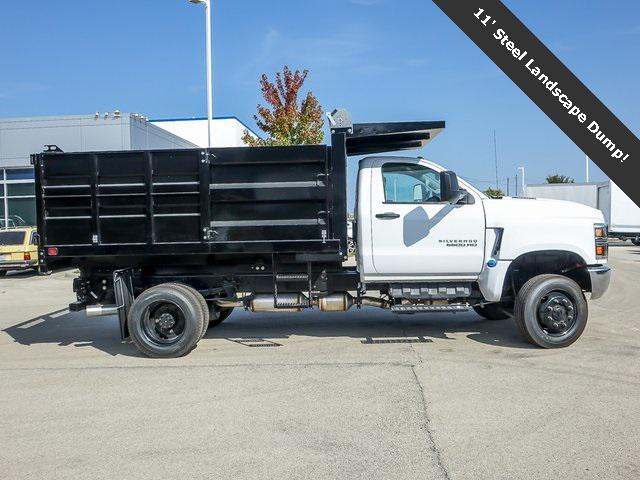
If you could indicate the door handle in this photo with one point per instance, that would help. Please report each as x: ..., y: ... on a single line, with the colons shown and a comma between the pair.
x: 388, y: 216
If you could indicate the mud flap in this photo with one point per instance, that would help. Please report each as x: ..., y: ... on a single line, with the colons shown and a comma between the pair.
x: 123, y: 290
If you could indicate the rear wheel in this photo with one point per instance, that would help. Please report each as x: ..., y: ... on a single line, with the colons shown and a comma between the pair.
x: 3, y: 273
x: 551, y: 311
x: 217, y: 316
x: 166, y: 321
x: 636, y: 241
x: 201, y: 301
x: 492, y: 311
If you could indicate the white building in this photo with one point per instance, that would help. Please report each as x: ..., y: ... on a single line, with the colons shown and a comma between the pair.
x: 226, y: 131
x: 20, y: 137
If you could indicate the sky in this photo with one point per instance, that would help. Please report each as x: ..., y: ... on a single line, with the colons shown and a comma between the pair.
x: 384, y: 60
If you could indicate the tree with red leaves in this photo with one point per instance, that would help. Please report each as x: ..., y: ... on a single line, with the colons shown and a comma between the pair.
x: 284, y: 121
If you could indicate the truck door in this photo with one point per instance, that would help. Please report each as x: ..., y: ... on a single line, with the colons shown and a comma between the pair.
x: 415, y: 234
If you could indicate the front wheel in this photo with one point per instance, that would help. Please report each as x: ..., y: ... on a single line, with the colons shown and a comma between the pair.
x: 3, y: 273
x: 166, y: 321
x: 551, y: 311
x: 636, y: 241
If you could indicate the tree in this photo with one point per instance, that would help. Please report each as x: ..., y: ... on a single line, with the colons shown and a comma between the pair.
x: 557, y: 178
x: 283, y: 120
x: 494, y: 193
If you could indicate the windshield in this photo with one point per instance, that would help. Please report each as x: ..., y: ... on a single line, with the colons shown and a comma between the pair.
x: 12, y: 238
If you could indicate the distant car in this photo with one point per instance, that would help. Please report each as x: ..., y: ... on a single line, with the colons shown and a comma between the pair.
x: 18, y: 249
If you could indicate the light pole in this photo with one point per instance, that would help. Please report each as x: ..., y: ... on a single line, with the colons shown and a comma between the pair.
x: 521, y: 169
x: 207, y: 14
x: 586, y: 166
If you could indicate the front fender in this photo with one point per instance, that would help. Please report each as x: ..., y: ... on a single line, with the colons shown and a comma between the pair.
x: 491, y: 280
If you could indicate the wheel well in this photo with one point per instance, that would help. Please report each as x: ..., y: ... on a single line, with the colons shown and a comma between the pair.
x: 529, y: 265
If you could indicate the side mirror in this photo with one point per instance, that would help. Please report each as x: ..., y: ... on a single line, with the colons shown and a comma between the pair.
x: 449, y: 187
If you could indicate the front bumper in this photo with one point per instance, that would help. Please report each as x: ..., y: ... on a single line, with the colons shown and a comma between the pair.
x: 600, y: 278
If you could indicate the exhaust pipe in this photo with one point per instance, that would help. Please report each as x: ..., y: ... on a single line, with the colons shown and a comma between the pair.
x: 336, y: 302
x: 228, y: 303
x: 374, y: 302
x: 95, y: 311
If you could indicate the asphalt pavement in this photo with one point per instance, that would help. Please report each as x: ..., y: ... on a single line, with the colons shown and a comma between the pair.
x: 364, y: 394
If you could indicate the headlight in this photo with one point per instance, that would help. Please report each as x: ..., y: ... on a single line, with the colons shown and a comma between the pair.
x: 602, y: 246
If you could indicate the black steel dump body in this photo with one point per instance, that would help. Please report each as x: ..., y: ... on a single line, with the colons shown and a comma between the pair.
x: 132, y: 207
x: 233, y: 200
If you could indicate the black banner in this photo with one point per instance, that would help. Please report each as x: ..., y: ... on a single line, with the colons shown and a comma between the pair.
x: 551, y: 86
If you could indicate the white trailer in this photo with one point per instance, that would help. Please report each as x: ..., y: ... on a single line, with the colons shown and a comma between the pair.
x: 622, y: 216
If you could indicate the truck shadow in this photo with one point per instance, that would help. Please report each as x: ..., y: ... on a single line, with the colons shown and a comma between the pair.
x: 368, y: 327
x: 66, y: 328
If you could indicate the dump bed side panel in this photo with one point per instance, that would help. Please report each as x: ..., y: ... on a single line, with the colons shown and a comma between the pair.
x: 269, y: 194
x: 120, y: 198
x: 233, y: 200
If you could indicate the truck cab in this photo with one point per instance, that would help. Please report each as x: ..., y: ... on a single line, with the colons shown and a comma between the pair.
x: 422, y: 229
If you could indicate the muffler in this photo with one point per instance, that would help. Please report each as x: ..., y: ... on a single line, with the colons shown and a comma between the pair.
x: 336, y: 302
x: 287, y: 302
x: 341, y: 302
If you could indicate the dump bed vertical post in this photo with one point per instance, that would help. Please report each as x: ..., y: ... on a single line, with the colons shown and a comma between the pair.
x: 338, y: 185
x: 205, y: 194
x: 95, y: 201
x: 151, y: 230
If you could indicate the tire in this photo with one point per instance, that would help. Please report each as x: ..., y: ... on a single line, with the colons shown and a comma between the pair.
x: 492, y: 311
x: 551, y: 311
x: 636, y: 242
x: 181, y: 313
x: 217, y: 316
x: 3, y: 273
x: 201, y: 301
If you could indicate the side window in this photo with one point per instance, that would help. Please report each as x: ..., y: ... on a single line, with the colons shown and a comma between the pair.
x: 410, y: 183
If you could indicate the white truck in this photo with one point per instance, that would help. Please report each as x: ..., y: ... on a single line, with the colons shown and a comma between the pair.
x: 202, y: 232
x: 621, y: 214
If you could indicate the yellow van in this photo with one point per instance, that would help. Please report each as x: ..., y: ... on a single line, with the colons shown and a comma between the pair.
x: 18, y: 249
